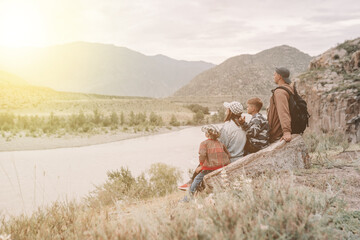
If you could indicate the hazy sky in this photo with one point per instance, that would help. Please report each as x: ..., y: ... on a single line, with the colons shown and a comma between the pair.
x: 210, y: 30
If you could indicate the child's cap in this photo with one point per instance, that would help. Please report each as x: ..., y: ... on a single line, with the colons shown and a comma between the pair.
x: 211, y: 129
x: 235, y: 107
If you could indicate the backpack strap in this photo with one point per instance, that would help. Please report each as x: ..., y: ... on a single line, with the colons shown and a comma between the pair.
x: 284, y: 88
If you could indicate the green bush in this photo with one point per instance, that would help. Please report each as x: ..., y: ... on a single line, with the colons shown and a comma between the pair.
x: 97, y: 117
x: 7, y: 118
x: 122, y: 119
x: 121, y: 185
x: 163, y: 178
x: 174, y: 122
x: 114, y: 118
x: 321, y: 142
x: 6, y: 127
x: 197, y: 107
x: 155, y: 120
x: 106, y: 121
x: 198, y: 117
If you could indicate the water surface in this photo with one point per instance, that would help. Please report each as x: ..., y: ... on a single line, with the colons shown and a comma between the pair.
x: 31, y: 179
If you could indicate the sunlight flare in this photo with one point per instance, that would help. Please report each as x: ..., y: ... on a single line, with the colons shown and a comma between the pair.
x: 21, y: 24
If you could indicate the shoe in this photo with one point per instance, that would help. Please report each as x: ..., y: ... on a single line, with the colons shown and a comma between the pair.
x: 184, y: 187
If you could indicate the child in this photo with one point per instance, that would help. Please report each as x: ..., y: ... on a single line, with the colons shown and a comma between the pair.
x: 212, y: 155
x: 257, y: 130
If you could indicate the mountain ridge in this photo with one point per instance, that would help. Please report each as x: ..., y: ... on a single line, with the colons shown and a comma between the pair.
x: 100, y: 68
x: 246, y: 73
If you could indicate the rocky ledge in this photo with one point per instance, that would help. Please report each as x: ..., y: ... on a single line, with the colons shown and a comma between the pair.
x: 331, y: 88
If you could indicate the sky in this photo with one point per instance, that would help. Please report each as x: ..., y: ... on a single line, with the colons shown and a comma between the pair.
x: 208, y: 30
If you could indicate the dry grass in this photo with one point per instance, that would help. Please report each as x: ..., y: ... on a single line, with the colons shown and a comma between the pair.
x: 303, y: 205
x: 266, y: 208
x: 317, y: 203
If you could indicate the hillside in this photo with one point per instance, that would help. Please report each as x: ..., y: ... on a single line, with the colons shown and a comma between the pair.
x: 8, y: 78
x: 246, y: 74
x: 331, y: 88
x: 25, y: 99
x: 100, y: 68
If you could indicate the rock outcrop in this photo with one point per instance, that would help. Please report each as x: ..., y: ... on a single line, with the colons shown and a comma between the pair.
x: 278, y: 156
x: 331, y: 88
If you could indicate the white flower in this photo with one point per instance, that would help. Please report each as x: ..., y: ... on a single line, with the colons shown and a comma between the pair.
x: 5, y: 236
x: 248, y: 180
x: 209, y: 199
x: 264, y: 227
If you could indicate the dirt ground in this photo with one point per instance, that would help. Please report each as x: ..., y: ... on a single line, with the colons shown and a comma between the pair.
x: 339, y: 174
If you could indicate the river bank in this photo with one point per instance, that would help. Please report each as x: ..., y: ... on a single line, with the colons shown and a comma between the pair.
x: 79, y: 140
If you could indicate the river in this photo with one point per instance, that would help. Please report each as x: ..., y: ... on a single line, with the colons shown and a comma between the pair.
x: 32, y: 179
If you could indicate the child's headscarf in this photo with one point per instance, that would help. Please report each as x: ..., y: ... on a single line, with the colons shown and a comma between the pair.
x: 212, y: 130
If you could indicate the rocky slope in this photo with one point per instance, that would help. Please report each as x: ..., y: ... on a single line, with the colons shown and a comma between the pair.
x: 331, y: 88
x: 100, y: 68
x: 246, y: 74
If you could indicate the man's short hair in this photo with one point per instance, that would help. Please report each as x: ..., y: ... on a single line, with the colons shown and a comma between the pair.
x: 256, y: 102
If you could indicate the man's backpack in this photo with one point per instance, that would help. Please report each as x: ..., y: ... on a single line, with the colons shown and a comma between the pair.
x: 298, y: 111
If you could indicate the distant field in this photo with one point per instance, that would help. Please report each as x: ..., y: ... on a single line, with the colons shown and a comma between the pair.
x: 34, y: 111
x: 27, y: 100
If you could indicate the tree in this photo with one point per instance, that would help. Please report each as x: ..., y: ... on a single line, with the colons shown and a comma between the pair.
x: 122, y: 118
x: 97, y: 117
x: 198, y: 117
x: 114, y: 118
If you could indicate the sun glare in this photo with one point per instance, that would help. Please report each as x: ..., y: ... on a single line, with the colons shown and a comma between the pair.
x: 21, y: 25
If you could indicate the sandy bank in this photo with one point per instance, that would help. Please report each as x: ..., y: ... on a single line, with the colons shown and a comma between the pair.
x: 51, y: 142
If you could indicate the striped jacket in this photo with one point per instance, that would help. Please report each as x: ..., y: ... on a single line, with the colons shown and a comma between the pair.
x: 257, y: 131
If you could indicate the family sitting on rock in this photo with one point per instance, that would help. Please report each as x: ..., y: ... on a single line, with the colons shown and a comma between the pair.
x: 238, y: 138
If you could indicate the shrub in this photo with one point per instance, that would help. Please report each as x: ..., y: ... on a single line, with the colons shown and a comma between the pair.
x: 198, y: 117
x: 7, y: 118
x: 197, y: 107
x: 321, y: 142
x: 132, y: 118
x: 121, y: 185
x: 163, y: 178
x: 122, y: 119
x: 155, y: 120
x: 6, y: 127
x: 106, y: 121
x: 114, y: 118
x: 173, y: 121
x: 97, y: 117
x: 262, y: 208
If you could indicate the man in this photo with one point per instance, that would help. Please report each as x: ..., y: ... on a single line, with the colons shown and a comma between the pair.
x: 278, y: 113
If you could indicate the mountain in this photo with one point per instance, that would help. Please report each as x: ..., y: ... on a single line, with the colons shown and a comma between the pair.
x: 246, y: 74
x: 331, y: 88
x: 17, y: 94
x: 100, y: 68
x: 8, y: 78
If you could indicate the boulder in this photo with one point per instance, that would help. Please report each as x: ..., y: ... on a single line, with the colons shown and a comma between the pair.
x: 278, y: 156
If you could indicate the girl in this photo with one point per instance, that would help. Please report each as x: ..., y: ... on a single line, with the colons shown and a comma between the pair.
x: 231, y: 134
x: 212, y: 155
